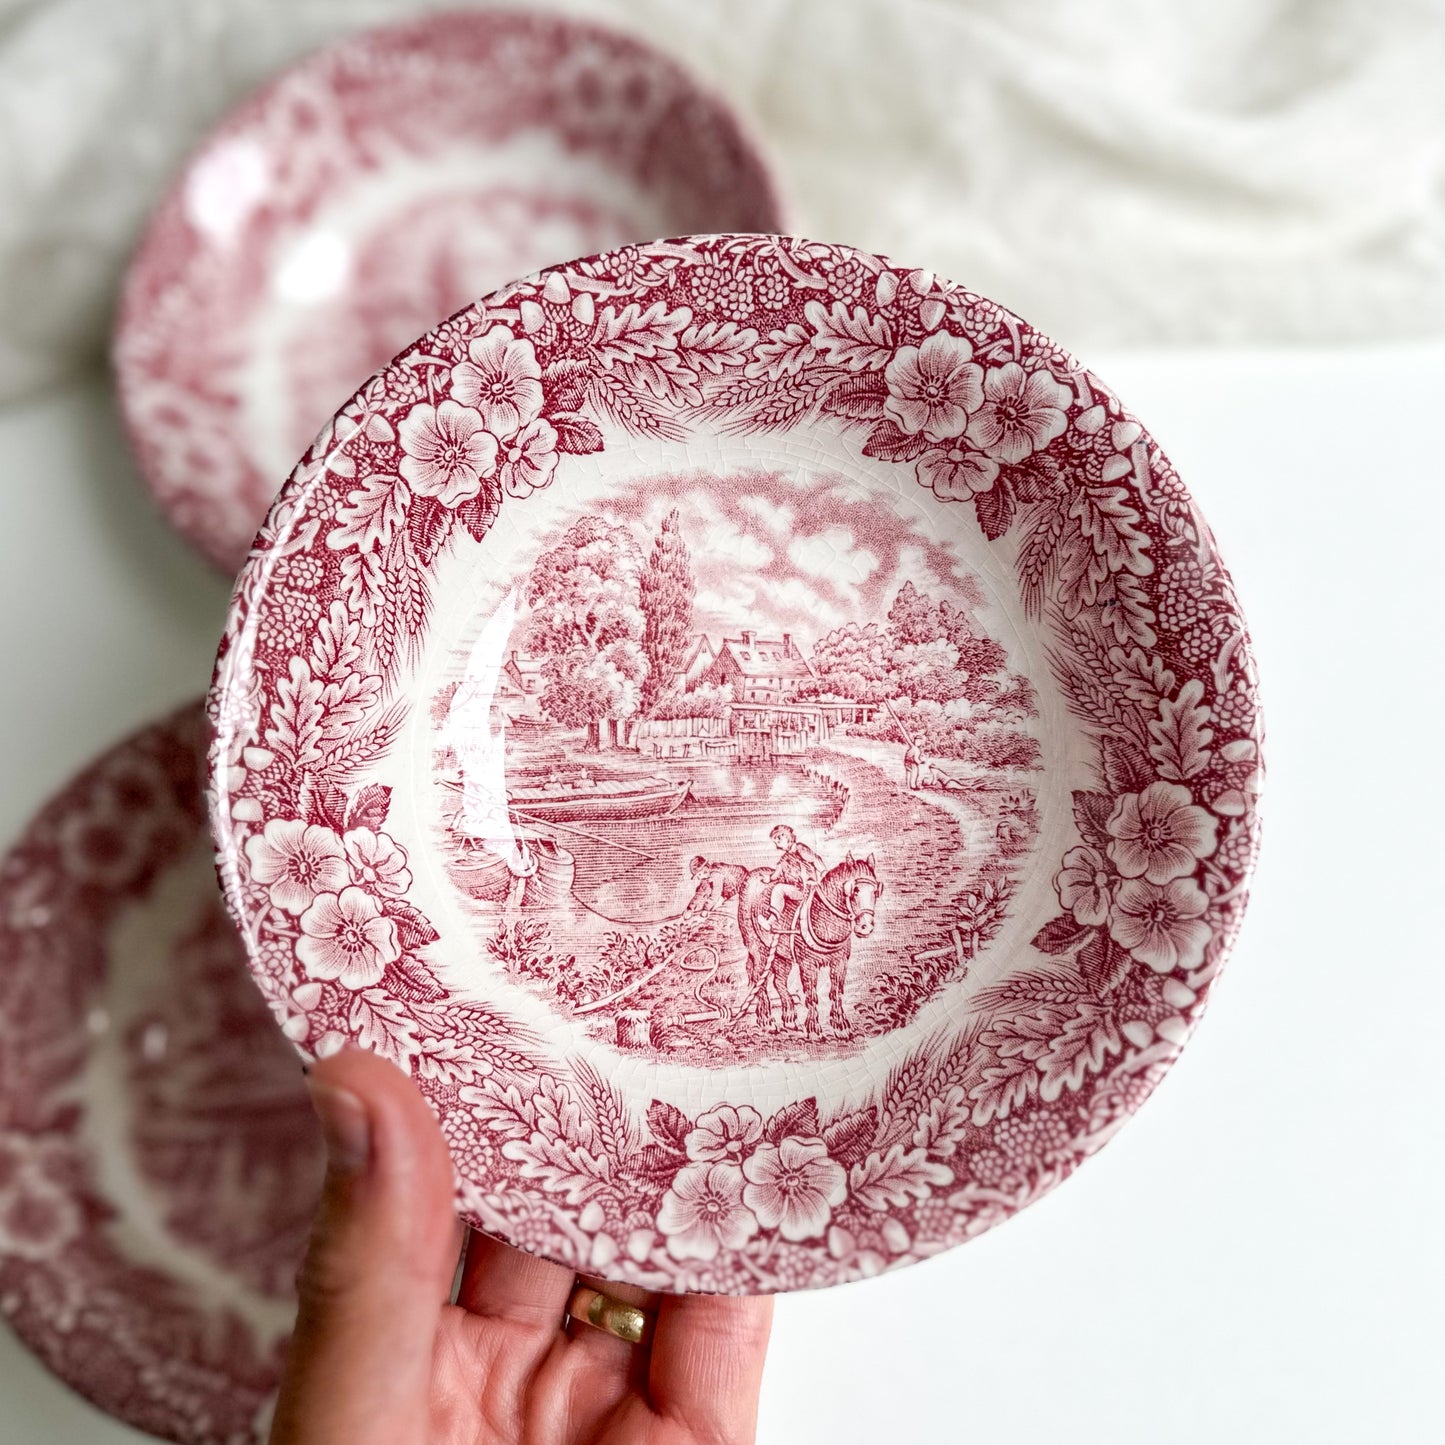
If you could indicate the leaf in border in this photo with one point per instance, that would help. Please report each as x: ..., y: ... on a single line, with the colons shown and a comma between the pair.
x: 850, y: 1137
x: 1125, y: 765
x: 413, y: 927
x: 669, y: 1126
x: 369, y: 807
x: 1082, y: 1047
x: 1111, y: 524
x: 995, y: 509
x: 1092, y: 812
x: 428, y: 523
x: 890, y: 443
x: 1102, y: 964
x: 852, y: 339
x: 321, y: 804
x: 295, y: 730
x: 478, y: 513
x: 799, y: 1119
x: 860, y: 397
x: 1059, y: 934
x: 564, y: 384
x: 715, y: 345
x: 654, y: 1164
x: 411, y: 979
x: 576, y: 434
x: 1180, y: 735
x: 885, y: 1182
x: 1037, y: 478
x: 383, y: 1026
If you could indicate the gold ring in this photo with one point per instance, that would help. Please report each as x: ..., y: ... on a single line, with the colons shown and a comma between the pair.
x: 625, y: 1321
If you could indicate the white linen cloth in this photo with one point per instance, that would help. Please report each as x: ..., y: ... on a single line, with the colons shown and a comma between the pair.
x: 1119, y: 171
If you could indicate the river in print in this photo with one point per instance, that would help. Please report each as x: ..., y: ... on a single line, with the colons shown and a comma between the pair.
x: 736, y: 771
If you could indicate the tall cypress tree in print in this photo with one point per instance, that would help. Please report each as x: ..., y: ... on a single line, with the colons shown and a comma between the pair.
x: 666, y: 596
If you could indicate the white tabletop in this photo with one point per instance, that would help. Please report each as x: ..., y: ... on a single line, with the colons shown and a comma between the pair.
x: 1257, y: 1258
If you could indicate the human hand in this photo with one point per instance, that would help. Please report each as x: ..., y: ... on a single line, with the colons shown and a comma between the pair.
x: 380, y: 1358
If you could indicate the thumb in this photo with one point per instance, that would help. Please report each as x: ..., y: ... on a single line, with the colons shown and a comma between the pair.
x: 379, y: 1267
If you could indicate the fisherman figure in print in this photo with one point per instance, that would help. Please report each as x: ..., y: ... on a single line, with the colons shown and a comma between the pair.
x: 913, y: 765
x: 797, y: 870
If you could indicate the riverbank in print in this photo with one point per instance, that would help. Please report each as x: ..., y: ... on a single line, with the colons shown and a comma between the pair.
x: 735, y: 771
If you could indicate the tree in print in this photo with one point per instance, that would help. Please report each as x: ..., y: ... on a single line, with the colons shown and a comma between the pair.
x: 944, y: 685
x: 937, y: 654
x: 587, y: 626
x: 852, y: 661
x: 665, y: 593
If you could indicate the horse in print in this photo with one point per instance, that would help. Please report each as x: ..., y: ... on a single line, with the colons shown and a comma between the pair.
x: 818, y: 934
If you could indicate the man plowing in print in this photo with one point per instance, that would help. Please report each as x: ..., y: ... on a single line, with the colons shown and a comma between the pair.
x: 796, y: 871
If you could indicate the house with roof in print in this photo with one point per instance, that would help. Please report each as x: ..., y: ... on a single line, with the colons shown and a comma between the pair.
x: 519, y: 687
x: 765, y: 716
x: 759, y: 669
x: 698, y: 658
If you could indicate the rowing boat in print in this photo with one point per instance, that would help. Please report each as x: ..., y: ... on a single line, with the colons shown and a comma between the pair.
x: 599, y: 803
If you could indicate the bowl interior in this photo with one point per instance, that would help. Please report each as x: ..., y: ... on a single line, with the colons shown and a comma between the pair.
x: 372, y: 191
x: 161, y: 1160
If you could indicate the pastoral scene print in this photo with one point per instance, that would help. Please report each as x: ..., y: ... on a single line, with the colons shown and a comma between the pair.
x: 734, y: 770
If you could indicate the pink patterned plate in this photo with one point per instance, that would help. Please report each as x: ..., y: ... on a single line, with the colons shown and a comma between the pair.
x: 369, y: 192
x: 763, y: 736
x: 159, y: 1161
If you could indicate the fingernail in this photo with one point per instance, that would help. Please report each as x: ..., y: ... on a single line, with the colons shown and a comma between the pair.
x: 344, y: 1124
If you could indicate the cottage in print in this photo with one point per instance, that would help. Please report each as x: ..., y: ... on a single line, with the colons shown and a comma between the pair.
x: 699, y: 751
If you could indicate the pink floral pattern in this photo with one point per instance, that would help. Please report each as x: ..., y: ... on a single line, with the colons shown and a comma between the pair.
x: 1085, y: 885
x: 1161, y: 925
x: 1160, y: 834
x: 724, y: 1133
x: 1021, y: 413
x: 529, y: 458
x: 794, y: 1186
x: 447, y: 452
x: 913, y: 381
x: 346, y: 937
x: 296, y: 862
x: 958, y: 473
x: 502, y: 380
x: 704, y: 1212
x: 933, y: 388
x: 378, y: 863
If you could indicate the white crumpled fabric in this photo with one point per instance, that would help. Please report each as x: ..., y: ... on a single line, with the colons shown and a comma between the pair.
x: 1119, y: 171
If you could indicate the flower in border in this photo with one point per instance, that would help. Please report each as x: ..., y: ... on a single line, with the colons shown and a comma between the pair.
x: 529, y: 459
x: 933, y: 388
x: 345, y: 936
x: 1160, y: 834
x: 136, y: 785
x: 377, y: 861
x: 502, y: 380
x: 1021, y: 413
x: 724, y: 1133
x: 1084, y: 885
x: 1161, y: 924
x: 794, y: 1186
x: 37, y: 1219
x: 956, y: 474
x: 296, y: 862
x: 703, y: 1212
x: 100, y: 845
x: 447, y: 452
